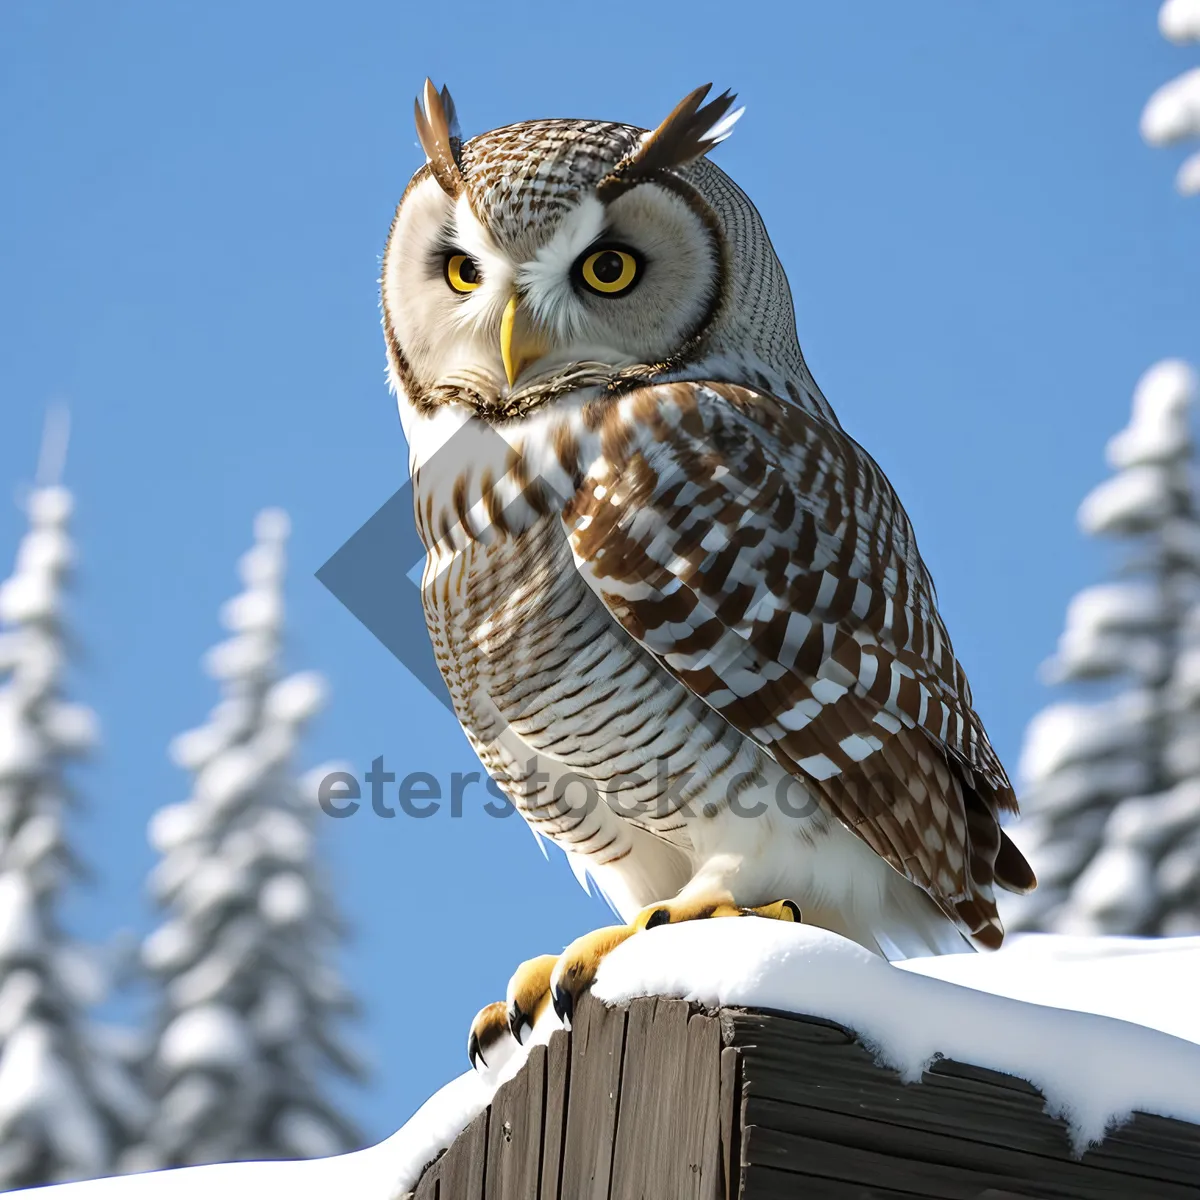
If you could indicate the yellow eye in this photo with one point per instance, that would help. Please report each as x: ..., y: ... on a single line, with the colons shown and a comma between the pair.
x: 609, y: 271
x: 462, y: 272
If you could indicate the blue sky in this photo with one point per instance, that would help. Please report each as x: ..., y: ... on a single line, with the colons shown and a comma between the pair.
x: 195, y: 198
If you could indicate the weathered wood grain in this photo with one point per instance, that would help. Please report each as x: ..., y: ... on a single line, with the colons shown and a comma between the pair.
x: 791, y: 1060
x: 514, y: 1149
x: 557, y: 1083
x: 653, y: 1110
x: 943, y: 1156
x: 731, y: 1107
x: 668, y: 1137
x: 766, y: 1183
x: 704, y: 1178
x: 659, y: 1101
x: 459, y: 1173
x: 597, y: 1044
x: 869, y: 1168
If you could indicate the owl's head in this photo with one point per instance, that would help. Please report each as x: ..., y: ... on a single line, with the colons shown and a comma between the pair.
x: 562, y: 255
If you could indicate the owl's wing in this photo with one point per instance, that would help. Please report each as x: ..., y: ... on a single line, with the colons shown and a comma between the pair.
x: 764, y: 559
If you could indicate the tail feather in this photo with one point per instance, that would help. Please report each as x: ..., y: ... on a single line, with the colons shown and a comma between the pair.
x: 1013, y: 873
x: 905, y: 924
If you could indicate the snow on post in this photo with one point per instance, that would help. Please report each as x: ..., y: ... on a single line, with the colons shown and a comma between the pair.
x: 1172, y: 114
x: 1112, y: 787
x: 67, y: 1103
x: 250, y: 1003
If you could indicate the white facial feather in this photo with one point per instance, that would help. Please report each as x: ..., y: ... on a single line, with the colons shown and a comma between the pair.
x: 451, y: 338
x: 546, y: 281
x: 482, y: 308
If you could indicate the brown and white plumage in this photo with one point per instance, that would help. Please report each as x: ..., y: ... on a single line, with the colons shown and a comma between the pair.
x: 661, y: 578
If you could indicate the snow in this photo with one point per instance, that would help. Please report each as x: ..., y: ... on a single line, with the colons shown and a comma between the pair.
x: 1105, y: 631
x: 1133, y: 502
x: 1173, y: 112
x: 1128, y: 979
x: 1152, y: 821
x: 20, y: 747
x: 27, y: 597
x: 1103, y: 1026
x: 72, y: 727
x: 243, y: 655
x: 1068, y: 732
x: 226, y: 780
x: 20, y: 929
x: 257, y: 609
x: 1158, y: 431
x: 1187, y: 180
x: 1114, y: 891
x: 297, y: 698
x: 1187, y: 674
x: 363, y: 1175
x: 1094, y: 1071
x: 50, y: 506
x: 272, y: 525
x: 285, y: 900
x: 1116, y: 606
x: 35, y: 1082
x: 18, y: 994
x: 210, y: 1035
x: 1179, y: 20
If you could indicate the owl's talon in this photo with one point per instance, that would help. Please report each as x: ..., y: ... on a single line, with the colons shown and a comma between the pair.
x: 781, y: 910
x: 564, y: 1005
x: 576, y: 968
x: 529, y: 995
x: 500, y: 1027
x: 519, y: 1025
x: 558, y: 980
x: 488, y: 1030
x: 473, y: 1051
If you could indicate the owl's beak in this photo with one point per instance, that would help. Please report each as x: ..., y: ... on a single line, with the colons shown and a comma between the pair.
x: 520, y: 343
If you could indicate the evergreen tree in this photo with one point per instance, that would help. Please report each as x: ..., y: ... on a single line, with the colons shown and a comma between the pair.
x: 1172, y: 114
x: 249, y: 998
x: 1112, y: 795
x: 67, y: 1102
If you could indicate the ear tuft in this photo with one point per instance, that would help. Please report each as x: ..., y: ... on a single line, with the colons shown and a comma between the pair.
x: 691, y: 129
x: 441, y: 138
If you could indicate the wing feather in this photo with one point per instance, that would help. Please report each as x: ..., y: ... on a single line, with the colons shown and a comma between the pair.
x: 763, y: 557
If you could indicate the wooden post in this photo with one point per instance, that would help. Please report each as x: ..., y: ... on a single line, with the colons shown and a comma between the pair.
x: 660, y: 1101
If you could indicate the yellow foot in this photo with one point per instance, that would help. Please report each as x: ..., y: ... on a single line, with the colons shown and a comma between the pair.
x: 528, y: 998
x: 577, y: 966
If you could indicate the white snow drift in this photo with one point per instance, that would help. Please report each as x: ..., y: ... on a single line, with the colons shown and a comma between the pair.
x: 1059, y: 1012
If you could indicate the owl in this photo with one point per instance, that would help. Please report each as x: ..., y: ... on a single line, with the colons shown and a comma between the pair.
x: 681, y: 614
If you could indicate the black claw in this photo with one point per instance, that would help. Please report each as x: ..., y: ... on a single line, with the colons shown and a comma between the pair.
x: 517, y: 1021
x: 474, y: 1052
x: 564, y: 1005
x: 794, y: 909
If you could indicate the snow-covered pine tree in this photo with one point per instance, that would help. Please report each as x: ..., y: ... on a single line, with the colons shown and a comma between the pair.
x: 250, y: 1002
x: 68, y: 1104
x: 1112, y: 788
x: 1172, y: 114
